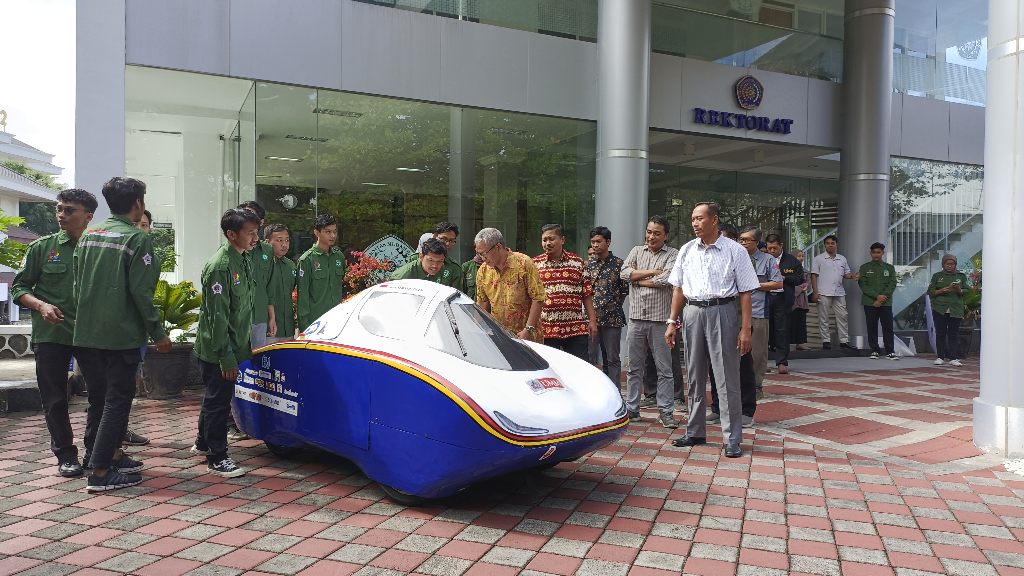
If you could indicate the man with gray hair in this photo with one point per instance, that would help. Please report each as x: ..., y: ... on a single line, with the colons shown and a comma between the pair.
x: 508, y: 285
x: 770, y: 278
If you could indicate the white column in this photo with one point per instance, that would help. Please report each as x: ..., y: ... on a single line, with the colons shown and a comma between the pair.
x: 624, y: 70
x: 999, y: 410
x: 99, y: 96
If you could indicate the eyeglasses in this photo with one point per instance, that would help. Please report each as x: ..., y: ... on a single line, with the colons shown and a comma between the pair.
x: 69, y: 210
x: 484, y: 253
x: 449, y: 241
x: 743, y: 240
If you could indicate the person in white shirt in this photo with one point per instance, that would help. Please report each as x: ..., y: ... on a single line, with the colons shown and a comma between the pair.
x: 828, y: 271
x: 710, y: 273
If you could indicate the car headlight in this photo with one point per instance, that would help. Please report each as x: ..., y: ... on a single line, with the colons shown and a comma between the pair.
x: 621, y: 411
x: 515, y: 428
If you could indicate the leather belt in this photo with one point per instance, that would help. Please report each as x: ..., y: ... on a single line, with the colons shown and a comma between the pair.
x: 711, y: 302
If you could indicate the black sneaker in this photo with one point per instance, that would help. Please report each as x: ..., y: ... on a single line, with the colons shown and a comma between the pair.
x: 126, y: 465
x: 112, y: 481
x: 649, y: 401
x: 846, y: 346
x: 234, y: 434
x: 633, y: 416
x: 826, y: 345
x: 70, y: 469
x: 226, y: 468
x: 133, y: 438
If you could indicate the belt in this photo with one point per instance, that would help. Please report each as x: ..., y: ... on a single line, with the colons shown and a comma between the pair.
x: 711, y: 302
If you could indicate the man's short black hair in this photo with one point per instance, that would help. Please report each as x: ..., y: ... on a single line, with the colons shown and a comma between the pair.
x: 255, y: 207
x: 234, y: 218
x: 323, y: 221
x: 148, y: 215
x: 434, y: 246
x: 603, y: 232
x: 830, y: 237
x: 121, y: 193
x: 443, y: 227
x: 274, y: 228
x: 79, y: 196
x: 712, y: 207
x: 729, y: 230
x: 659, y: 220
x: 878, y: 246
x: 556, y: 228
x: 773, y: 238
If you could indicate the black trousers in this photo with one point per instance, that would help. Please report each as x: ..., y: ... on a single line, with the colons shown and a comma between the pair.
x: 780, y: 327
x: 52, y: 362
x: 798, y: 326
x: 947, y: 336
x: 215, y: 413
x: 578, y: 346
x: 111, y: 379
x: 748, y: 387
x: 873, y: 316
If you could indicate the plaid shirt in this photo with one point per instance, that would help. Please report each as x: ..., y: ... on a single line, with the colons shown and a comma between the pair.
x: 610, y: 290
x: 651, y: 304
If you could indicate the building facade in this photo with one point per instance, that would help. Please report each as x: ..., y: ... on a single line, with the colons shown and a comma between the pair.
x: 864, y: 118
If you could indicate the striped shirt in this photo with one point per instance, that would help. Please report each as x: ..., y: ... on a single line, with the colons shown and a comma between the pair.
x: 566, y: 286
x: 652, y: 304
x: 720, y: 270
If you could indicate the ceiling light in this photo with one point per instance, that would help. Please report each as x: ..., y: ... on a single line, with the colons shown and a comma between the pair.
x: 305, y: 138
x: 410, y: 169
x: 333, y: 112
x: 283, y: 159
x: 373, y: 184
x: 509, y: 131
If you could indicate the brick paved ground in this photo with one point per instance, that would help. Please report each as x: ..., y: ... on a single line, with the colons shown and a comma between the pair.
x: 847, y: 473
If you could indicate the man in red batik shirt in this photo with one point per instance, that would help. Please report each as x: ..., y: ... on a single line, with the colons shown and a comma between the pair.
x: 569, y: 320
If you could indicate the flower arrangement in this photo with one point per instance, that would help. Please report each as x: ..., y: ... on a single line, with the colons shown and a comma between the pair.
x: 972, y: 295
x: 365, y: 271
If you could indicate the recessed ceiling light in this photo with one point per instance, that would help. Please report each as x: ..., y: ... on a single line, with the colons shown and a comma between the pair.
x: 373, y: 184
x: 410, y: 169
x: 333, y: 112
x: 305, y: 138
x: 283, y: 159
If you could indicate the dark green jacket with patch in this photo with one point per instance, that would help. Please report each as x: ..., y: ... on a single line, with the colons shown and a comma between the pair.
x: 48, y: 274
x: 321, y: 283
x: 225, y: 315
x: 876, y: 278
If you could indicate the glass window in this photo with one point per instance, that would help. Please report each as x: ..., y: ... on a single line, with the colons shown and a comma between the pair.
x: 387, y: 313
x: 467, y: 332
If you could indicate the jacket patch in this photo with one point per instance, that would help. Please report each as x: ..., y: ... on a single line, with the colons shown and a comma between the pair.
x: 216, y: 288
x: 147, y: 259
x: 53, y: 256
x: 236, y: 278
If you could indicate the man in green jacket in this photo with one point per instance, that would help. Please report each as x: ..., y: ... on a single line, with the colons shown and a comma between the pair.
x: 282, y: 284
x: 115, y: 276
x: 877, y: 282
x: 262, y: 271
x: 432, y: 265
x: 45, y: 284
x: 222, y: 342
x: 469, y: 270
x: 321, y: 280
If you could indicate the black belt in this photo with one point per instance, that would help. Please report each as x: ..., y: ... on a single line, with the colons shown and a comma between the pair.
x: 711, y: 302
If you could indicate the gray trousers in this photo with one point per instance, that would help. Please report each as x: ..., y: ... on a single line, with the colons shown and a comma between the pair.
x: 759, y: 348
x: 645, y: 336
x: 607, y: 344
x: 710, y: 335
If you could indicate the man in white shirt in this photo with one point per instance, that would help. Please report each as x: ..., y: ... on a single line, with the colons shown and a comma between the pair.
x: 711, y: 272
x: 828, y: 271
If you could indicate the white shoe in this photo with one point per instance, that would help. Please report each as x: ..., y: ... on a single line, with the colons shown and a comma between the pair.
x: 893, y: 356
x: 955, y: 362
x: 874, y: 355
x: 938, y: 362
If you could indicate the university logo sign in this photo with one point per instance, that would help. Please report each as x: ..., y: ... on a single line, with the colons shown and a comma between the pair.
x: 749, y: 94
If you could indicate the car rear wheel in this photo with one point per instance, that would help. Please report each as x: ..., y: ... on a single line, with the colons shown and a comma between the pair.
x: 403, y: 498
x: 282, y: 451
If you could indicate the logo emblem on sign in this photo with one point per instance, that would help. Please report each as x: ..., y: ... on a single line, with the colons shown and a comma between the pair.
x: 749, y: 92
x: 542, y: 385
x: 266, y: 362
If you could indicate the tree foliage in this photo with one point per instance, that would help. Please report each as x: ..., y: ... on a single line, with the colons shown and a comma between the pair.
x: 11, y: 253
x: 38, y: 216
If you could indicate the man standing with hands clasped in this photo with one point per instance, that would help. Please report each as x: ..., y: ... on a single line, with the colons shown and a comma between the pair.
x: 710, y: 273
x: 877, y: 283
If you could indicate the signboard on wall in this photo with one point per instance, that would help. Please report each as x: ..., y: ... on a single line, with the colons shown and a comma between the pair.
x: 391, y: 248
x: 749, y: 93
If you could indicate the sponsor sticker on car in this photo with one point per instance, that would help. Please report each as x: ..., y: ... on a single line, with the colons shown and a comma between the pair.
x: 542, y: 385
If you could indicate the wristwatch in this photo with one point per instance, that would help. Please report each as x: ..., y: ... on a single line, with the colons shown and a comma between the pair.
x: 671, y: 321
x: 530, y: 328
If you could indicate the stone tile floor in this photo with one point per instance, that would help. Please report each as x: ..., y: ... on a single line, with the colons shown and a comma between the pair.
x: 846, y: 473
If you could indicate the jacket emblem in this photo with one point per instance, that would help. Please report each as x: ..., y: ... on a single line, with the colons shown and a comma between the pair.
x: 53, y: 256
x: 236, y: 278
x: 216, y: 288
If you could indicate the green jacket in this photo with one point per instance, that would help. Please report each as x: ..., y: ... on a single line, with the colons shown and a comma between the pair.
x: 951, y: 302
x: 48, y: 274
x: 469, y: 270
x: 321, y: 283
x: 262, y: 256
x: 876, y: 278
x: 450, y: 274
x: 225, y: 315
x: 115, y: 277
x: 280, y: 292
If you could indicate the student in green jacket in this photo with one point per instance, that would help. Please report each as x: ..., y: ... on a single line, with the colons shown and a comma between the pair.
x: 222, y: 342
x: 282, y: 283
x: 262, y: 271
x: 877, y: 282
x: 947, y: 293
x: 45, y: 284
x: 469, y: 270
x: 115, y: 277
x: 432, y: 265
x: 321, y: 280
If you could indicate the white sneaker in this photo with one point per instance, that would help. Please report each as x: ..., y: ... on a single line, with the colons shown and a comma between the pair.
x: 226, y: 468
x: 893, y: 356
x: 955, y: 362
x: 938, y: 362
x: 874, y: 355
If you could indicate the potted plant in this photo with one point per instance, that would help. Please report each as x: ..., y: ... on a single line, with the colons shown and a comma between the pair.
x: 165, y: 375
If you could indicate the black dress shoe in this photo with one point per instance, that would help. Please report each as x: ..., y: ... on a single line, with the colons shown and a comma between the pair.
x: 733, y: 451
x: 826, y: 345
x: 70, y: 469
x: 845, y: 345
x: 688, y: 441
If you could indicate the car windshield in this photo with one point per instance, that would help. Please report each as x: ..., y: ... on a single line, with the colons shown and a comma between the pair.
x: 387, y: 314
x: 467, y: 332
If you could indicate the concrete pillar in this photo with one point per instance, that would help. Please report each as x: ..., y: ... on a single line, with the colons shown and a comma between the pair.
x: 624, y: 69
x: 864, y: 165
x: 999, y: 410
x: 462, y: 178
x: 99, y: 96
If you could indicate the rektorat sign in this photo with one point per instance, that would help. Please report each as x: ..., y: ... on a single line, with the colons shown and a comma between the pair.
x: 749, y: 94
